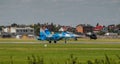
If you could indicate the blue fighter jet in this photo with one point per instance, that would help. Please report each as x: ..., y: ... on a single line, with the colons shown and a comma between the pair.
x: 45, y: 34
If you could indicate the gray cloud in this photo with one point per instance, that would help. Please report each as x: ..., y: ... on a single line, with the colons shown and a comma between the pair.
x: 66, y: 12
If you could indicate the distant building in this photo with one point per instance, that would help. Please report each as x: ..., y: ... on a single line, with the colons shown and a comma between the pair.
x: 24, y: 32
x: 61, y: 29
x: 5, y: 29
x: 98, y: 28
x: 111, y: 27
x: 64, y: 28
x: 82, y: 28
x: 119, y: 32
x: 5, y: 33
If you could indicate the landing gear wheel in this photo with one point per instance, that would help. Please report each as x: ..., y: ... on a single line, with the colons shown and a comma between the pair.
x: 55, y: 41
x: 50, y: 41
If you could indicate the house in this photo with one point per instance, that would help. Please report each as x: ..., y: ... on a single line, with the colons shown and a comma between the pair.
x: 5, y: 33
x: 112, y: 28
x: 5, y: 29
x: 98, y: 28
x: 82, y: 28
x: 63, y: 28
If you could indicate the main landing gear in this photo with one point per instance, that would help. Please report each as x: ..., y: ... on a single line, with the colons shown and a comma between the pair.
x: 54, y: 41
x: 50, y: 41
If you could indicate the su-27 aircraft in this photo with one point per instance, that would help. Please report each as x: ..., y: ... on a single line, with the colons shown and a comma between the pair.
x: 45, y: 34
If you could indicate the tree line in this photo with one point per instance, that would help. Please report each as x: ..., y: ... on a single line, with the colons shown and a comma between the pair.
x: 55, y: 28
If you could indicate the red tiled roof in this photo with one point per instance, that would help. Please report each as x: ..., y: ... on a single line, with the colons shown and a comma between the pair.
x: 98, y: 28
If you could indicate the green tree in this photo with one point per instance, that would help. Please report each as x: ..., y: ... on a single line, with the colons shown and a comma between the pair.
x: 1, y: 27
x: 14, y: 25
x: 118, y: 26
x: 36, y: 29
x: 101, y: 33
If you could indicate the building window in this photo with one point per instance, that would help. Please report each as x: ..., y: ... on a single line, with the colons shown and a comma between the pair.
x: 31, y: 30
x: 26, y: 31
x: 17, y: 30
x: 20, y: 30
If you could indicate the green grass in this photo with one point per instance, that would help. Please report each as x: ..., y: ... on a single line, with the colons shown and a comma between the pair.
x: 56, y: 53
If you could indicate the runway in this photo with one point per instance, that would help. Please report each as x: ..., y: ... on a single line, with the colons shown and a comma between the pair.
x: 45, y: 42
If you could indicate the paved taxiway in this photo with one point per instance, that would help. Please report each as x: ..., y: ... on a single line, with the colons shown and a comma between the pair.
x: 65, y: 43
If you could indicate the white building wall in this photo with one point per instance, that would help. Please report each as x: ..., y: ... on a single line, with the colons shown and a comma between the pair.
x: 13, y: 30
x: 5, y: 30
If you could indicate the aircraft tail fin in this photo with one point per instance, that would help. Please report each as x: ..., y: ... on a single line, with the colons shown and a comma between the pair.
x: 44, y: 33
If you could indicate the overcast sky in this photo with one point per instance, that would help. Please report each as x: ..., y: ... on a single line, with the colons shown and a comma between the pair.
x: 64, y: 12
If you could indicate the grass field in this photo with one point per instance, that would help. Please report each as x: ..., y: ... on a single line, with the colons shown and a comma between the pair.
x: 18, y: 53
